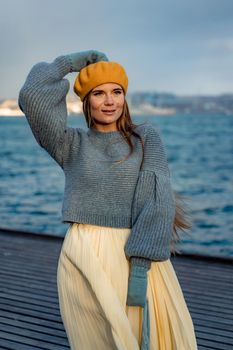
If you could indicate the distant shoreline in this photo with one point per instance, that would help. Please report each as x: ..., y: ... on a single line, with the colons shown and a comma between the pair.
x: 148, y: 104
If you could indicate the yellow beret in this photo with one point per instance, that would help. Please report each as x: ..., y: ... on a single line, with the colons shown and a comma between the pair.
x: 99, y: 73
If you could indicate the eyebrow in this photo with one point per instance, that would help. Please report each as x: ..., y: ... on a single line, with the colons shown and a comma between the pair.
x: 99, y: 90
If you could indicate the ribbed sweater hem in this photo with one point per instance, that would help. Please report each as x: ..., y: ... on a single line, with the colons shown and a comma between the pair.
x: 99, y: 220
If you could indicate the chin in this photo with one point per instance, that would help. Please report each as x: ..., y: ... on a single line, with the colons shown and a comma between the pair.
x: 106, y: 121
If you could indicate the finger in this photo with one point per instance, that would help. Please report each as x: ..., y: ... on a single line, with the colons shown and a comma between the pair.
x: 99, y: 56
x: 104, y: 58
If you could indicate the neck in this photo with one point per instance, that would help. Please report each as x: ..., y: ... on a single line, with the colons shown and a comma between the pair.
x: 105, y: 128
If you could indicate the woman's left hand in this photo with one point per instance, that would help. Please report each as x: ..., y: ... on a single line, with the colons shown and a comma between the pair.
x: 81, y: 59
x: 137, y: 286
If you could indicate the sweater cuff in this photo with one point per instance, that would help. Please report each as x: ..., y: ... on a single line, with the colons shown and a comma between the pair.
x: 141, y: 262
x: 63, y: 65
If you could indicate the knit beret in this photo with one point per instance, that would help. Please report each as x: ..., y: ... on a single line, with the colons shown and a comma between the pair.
x: 99, y: 73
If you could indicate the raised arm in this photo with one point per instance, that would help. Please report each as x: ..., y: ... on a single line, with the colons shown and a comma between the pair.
x: 152, y: 215
x: 43, y: 101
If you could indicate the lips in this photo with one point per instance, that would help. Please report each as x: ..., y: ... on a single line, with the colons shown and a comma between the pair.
x: 109, y: 112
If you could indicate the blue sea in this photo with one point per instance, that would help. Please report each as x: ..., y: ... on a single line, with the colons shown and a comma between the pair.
x: 200, y: 156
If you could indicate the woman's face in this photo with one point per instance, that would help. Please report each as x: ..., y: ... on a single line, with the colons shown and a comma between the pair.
x: 106, y: 102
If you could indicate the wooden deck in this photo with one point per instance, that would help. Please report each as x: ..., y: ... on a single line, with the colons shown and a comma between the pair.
x: 29, y: 311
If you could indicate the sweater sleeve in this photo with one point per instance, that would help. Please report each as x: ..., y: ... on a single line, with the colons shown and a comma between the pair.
x: 43, y: 101
x: 153, y: 208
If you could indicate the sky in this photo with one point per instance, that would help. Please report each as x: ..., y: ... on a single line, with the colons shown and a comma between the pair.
x: 179, y: 46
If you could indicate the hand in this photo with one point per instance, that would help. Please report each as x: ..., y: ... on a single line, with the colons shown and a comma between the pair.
x: 137, y: 286
x: 81, y: 59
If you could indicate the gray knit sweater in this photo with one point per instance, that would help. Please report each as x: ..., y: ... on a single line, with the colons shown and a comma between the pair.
x: 98, y: 190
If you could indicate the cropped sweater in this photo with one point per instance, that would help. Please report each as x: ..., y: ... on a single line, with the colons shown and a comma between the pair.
x: 98, y: 190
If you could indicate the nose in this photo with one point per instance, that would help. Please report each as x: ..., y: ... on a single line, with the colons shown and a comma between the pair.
x: 108, y: 99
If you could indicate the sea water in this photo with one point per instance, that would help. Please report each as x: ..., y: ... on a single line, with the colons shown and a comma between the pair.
x: 200, y: 155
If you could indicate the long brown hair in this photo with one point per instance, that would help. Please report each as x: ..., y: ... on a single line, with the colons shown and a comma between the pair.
x: 182, y: 219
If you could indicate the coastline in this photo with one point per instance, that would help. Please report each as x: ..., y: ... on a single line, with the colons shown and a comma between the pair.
x: 147, y: 103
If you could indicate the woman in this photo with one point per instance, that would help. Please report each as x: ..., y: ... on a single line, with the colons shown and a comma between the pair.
x: 116, y: 285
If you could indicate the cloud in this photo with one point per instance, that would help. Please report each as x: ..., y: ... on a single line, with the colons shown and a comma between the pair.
x: 221, y: 44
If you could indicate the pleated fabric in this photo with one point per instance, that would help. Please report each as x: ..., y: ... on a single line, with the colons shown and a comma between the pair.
x: 92, y: 280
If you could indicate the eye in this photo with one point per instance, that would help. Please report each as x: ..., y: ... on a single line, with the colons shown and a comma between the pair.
x: 118, y: 92
x: 97, y: 93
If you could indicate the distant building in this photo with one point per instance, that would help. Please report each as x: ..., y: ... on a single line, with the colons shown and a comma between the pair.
x: 149, y: 103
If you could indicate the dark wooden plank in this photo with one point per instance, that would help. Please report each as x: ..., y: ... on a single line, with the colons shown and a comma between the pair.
x: 216, y: 325
x: 15, y: 309
x: 33, y: 267
x: 209, y: 318
x: 13, y: 274
x: 28, y: 306
x: 210, y: 277
x: 33, y: 334
x: 55, y: 325
x: 212, y: 299
x: 213, y: 345
x: 15, y: 345
x: 18, y: 285
x: 213, y: 337
x: 40, y: 344
x: 31, y: 301
x: 24, y: 293
x: 30, y: 326
x: 211, y: 333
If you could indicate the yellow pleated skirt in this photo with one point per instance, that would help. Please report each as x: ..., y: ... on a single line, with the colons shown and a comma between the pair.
x: 92, y: 280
